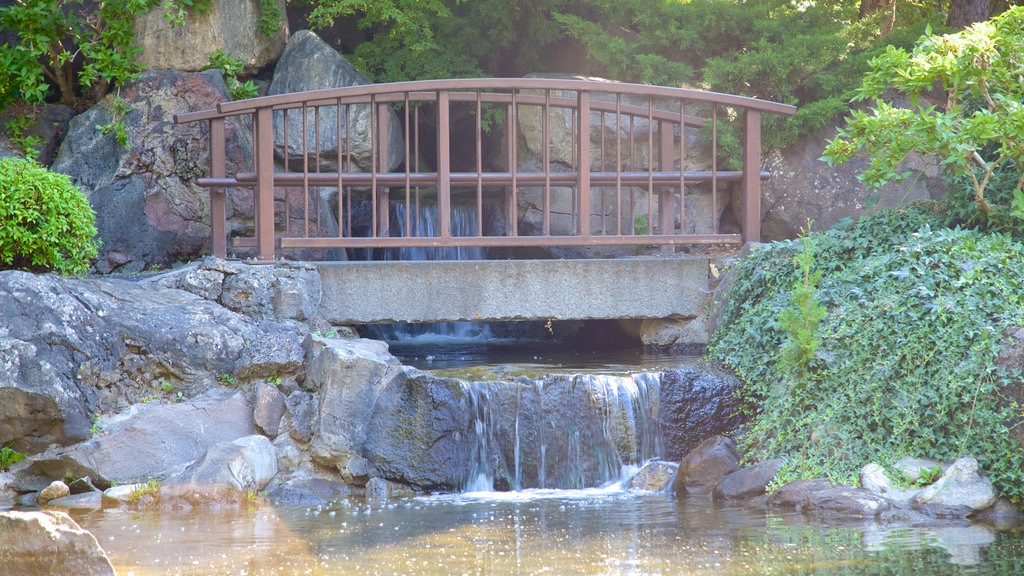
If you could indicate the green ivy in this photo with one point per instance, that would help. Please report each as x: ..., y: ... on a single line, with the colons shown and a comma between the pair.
x: 905, y: 357
x: 48, y: 222
x: 230, y: 67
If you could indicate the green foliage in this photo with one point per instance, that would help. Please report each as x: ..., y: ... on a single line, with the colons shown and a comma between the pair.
x: 230, y: 67
x: 809, y: 55
x: 226, y: 378
x: 148, y: 490
x: 800, y: 320
x: 17, y: 130
x: 905, y: 352
x: 977, y: 134
x: 48, y: 223
x: 9, y: 456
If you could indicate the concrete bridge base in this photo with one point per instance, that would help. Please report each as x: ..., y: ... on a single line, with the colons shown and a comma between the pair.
x: 497, y: 290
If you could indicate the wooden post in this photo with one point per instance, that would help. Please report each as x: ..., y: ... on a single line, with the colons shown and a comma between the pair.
x: 264, y: 184
x: 752, y: 176
x: 218, y: 201
x: 382, y: 165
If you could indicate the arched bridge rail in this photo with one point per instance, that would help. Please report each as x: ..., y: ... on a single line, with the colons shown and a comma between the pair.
x: 585, y: 162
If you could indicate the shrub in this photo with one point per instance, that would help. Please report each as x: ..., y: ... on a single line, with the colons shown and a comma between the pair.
x: 906, y: 350
x: 48, y: 223
x: 976, y: 134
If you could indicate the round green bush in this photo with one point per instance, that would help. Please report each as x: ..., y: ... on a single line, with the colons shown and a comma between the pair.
x: 47, y: 223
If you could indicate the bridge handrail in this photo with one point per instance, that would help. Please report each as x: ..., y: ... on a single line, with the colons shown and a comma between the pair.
x: 512, y: 94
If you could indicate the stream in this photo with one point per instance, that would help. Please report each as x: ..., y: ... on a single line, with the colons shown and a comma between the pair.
x: 604, y: 530
x: 595, y: 531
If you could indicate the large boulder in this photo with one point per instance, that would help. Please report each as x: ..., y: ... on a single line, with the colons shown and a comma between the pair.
x: 348, y: 376
x: 246, y: 464
x: 309, y: 63
x: 149, y: 209
x: 805, y: 187
x: 697, y: 403
x: 49, y: 544
x: 73, y: 347
x: 153, y: 441
x: 960, y: 491
x: 228, y: 26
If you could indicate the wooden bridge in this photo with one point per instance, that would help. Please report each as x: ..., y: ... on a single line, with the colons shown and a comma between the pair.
x: 581, y: 163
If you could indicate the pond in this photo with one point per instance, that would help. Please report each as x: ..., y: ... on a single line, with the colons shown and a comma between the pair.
x: 602, y: 531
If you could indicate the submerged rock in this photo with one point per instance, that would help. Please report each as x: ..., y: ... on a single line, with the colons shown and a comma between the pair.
x: 655, y: 476
x: 49, y: 543
x: 747, y: 483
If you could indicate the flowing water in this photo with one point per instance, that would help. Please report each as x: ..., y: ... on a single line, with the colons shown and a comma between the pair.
x: 597, y: 531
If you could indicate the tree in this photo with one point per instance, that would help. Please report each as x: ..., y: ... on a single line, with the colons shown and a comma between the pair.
x: 978, y: 134
x: 963, y: 13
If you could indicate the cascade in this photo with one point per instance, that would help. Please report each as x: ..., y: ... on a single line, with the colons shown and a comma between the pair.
x: 562, y: 431
x: 423, y: 221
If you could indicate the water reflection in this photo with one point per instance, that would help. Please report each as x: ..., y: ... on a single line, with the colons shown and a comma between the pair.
x: 593, y: 531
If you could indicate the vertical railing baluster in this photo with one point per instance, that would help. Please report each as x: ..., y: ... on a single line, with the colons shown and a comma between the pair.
x: 650, y: 166
x: 444, y: 159
x: 479, y: 165
x: 682, y: 166
x: 618, y: 164
x: 714, y: 169
x: 408, y: 167
x: 512, y: 207
x: 381, y: 142
x: 341, y: 170
x: 583, y: 177
x: 752, y: 176
x: 545, y: 137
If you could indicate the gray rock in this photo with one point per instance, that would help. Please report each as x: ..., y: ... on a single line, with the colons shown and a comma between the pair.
x: 270, y: 354
x: 687, y: 334
x: 873, y: 478
x: 279, y: 293
x: 83, y: 501
x: 149, y: 209
x: 154, y: 441
x: 229, y: 26
x: 421, y: 432
x: 349, y: 376
x: 703, y: 468
x: 697, y: 402
x: 246, y: 464
x: 49, y: 543
x: 802, y: 186
x: 848, y: 502
x: 655, y: 476
x: 72, y: 347
x: 797, y: 494
x: 309, y: 63
x: 747, y: 483
x: 819, y: 496
x: 56, y: 489
x: 269, y: 409
x: 960, y: 491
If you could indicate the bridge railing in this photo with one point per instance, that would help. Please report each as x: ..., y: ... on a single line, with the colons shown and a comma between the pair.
x: 582, y: 163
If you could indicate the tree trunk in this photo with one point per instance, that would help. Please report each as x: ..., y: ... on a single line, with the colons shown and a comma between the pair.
x: 868, y: 7
x: 963, y: 13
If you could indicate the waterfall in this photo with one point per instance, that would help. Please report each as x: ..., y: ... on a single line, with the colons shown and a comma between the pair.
x: 422, y: 220
x: 562, y: 431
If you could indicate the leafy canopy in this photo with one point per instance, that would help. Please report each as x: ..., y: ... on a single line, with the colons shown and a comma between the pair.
x: 977, y: 133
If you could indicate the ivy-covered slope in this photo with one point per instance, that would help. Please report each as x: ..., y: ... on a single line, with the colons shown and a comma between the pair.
x: 900, y: 363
